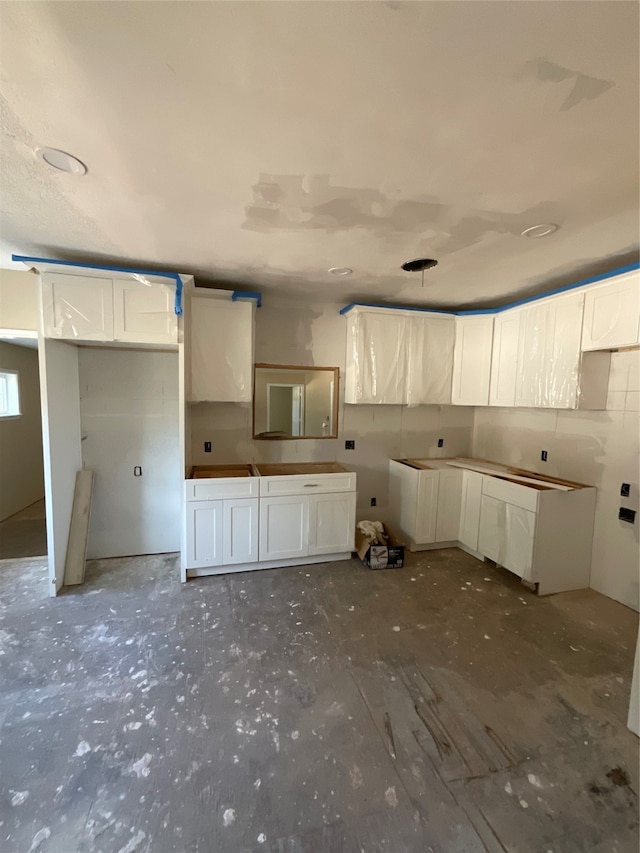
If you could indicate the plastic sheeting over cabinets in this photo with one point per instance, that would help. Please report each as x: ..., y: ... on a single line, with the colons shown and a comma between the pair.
x: 221, y: 347
x: 100, y: 308
x: 507, y: 534
x: 549, y: 358
x: 398, y: 358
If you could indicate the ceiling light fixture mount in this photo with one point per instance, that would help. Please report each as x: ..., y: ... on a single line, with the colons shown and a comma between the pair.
x: 537, y: 231
x: 340, y: 271
x: 419, y: 265
x: 61, y: 161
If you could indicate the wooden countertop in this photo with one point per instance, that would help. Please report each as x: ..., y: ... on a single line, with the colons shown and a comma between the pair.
x: 210, y: 472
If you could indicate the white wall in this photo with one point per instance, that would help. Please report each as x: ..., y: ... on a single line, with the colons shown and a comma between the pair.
x: 61, y: 442
x: 18, y: 300
x: 129, y: 417
x: 315, y: 334
x: 597, y: 448
x: 21, y: 471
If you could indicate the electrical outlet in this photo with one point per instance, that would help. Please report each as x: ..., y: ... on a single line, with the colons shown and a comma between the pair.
x: 137, y: 471
x: 543, y: 455
x: 373, y: 501
x: 626, y: 514
x: 349, y: 445
x: 207, y: 447
x: 441, y: 442
x: 625, y: 488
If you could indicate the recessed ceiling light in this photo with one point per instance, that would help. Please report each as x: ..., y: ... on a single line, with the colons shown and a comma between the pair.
x: 340, y: 271
x: 61, y: 161
x: 539, y: 230
x: 419, y: 265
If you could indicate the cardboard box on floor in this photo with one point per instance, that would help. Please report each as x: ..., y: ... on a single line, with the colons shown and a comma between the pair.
x: 389, y: 556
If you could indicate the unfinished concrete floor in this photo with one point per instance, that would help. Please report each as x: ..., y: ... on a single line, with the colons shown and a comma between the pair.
x: 440, y: 707
x: 25, y: 533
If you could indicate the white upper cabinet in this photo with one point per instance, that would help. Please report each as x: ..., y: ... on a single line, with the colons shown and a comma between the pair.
x: 143, y: 312
x: 560, y: 386
x: 504, y: 359
x: 77, y: 307
x: 536, y: 359
x: 612, y: 313
x: 221, y: 349
x: 429, y: 359
x: 398, y: 357
x: 549, y: 360
x: 376, y: 357
x: 472, y: 360
x: 97, y: 308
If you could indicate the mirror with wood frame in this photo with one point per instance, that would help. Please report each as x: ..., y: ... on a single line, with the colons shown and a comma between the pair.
x: 291, y: 402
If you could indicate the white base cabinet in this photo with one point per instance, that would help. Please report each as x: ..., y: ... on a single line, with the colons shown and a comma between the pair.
x: 470, y: 509
x: 424, y: 501
x: 540, y: 531
x: 284, y: 523
x: 542, y: 534
x: 223, y: 532
x: 244, y: 523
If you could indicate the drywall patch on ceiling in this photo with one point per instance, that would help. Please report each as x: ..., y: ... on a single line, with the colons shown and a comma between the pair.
x: 306, y: 202
x: 298, y: 203
x: 481, y: 224
x: 585, y: 87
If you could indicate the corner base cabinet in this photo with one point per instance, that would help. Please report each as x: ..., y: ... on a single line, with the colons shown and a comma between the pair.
x: 540, y: 529
x: 260, y: 522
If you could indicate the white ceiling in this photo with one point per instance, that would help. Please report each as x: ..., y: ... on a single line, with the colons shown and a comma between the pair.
x: 257, y: 144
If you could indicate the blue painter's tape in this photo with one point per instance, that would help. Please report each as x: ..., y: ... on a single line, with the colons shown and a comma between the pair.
x: 348, y: 308
x: 172, y: 275
x: 564, y: 289
x: 247, y: 294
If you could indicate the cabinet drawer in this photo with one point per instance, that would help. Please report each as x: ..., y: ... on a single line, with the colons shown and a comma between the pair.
x: 511, y: 493
x: 307, y: 484
x: 228, y: 487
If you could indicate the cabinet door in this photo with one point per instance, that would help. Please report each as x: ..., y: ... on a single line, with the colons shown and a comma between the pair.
x: 77, y: 307
x: 520, y: 527
x: 332, y: 520
x: 562, y: 365
x: 426, y: 507
x: 204, y: 534
x: 380, y: 353
x: 240, y: 531
x: 504, y: 359
x: 470, y: 509
x: 429, y: 359
x: 221, y: 339
x: 612, y: 313
x: 472, y: 360
x: 143, y: 312
x: 492, y: 533
x: 448, y: 517
x: 284, y: 527
x: 535, y: 337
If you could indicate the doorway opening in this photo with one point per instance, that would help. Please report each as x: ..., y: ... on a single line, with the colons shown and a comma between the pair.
x: 285, y: 408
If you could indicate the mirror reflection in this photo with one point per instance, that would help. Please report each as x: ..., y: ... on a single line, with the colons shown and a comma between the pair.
x: 295, y: 402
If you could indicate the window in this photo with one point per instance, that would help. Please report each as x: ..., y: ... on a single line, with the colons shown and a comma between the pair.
x: 9, y: 394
